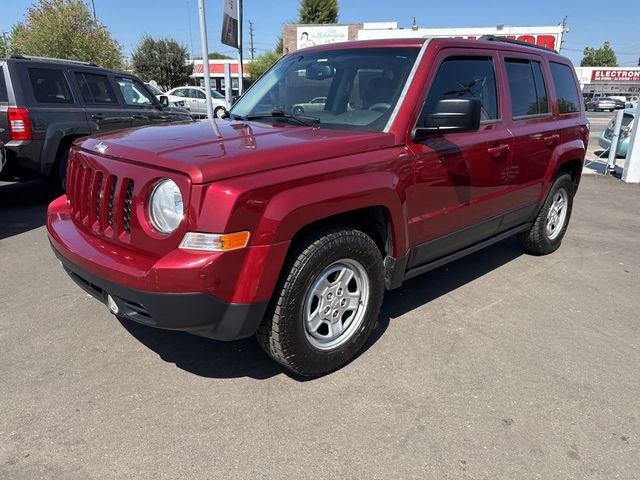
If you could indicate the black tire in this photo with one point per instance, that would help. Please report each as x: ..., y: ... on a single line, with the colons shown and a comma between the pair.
x: 58, y: 176
x: 283, y: 334
x: 537, y: 240
x: 219, y: 112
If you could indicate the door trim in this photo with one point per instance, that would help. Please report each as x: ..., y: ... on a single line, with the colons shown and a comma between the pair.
x: 483, y: 234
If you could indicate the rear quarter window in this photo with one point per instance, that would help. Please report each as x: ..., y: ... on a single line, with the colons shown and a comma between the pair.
x: 4, y: 97
x: 565, y: 86
x: 49, y: 86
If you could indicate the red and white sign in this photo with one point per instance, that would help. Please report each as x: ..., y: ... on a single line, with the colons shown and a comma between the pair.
x: 615, y: 75
x: 544, y: 36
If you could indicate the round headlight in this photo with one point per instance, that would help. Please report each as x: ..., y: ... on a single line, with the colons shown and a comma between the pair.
x: 165, y: 206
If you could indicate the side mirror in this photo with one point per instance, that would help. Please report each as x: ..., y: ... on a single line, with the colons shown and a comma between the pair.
x: 451, y: 115
x: 164, y: 101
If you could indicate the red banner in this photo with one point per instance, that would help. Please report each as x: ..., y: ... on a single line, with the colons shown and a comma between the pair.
x: 610, y: 75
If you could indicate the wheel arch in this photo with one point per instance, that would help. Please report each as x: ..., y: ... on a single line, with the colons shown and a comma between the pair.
x: 368, y: 201
x: 57, y: 140
x: 569, y: 158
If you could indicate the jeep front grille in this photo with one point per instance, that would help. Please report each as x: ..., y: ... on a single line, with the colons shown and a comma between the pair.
x: 98, y: 200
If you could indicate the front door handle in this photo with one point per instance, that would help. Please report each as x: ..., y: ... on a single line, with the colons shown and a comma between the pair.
x: 137, y: 116
x: 551, y: 140
x: 496, y: 152
x: 97, y: 116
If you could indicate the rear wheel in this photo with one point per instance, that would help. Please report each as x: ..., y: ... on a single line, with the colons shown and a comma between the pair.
x: 549, y: 227
x: 327, y: 302
x: 58, y: 176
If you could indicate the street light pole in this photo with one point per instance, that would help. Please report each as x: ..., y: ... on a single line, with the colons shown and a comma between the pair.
x: 205, y: 58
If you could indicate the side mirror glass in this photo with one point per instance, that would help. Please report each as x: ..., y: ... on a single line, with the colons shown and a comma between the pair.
x: 450, y: 115
x: 164, y: 101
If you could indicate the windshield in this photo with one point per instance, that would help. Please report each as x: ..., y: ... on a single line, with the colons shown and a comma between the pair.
x: 354, y: 88
x: 216, y: 94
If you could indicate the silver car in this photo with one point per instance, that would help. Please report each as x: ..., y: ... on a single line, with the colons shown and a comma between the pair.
x: 196, y: 100
x: 602, y: 103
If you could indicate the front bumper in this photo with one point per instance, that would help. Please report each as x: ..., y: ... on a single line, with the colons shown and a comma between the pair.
x: 220, y: 296
x: 196, y: 313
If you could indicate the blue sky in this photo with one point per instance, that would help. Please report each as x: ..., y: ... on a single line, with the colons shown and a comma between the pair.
x: 589, y: 21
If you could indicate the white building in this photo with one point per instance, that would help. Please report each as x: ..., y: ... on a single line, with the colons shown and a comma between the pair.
x: 622, y: 81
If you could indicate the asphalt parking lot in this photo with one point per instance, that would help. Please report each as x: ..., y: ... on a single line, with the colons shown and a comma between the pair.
x: 500, y: 365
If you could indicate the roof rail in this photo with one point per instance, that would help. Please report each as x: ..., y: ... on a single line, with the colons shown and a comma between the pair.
x: 50, y: 59
x: 494, y: 38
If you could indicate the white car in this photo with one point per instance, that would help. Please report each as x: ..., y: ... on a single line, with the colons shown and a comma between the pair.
x: 196, y: 100
x: 179, y: 102
x: 632, y: 102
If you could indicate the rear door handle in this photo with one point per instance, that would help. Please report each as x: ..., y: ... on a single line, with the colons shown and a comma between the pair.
x: 495, y: 152
x: 97, y: 116
x: 552, y: 139
x: 138, y: 116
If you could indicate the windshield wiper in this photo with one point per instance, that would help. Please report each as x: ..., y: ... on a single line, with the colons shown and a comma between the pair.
x: 301, y: 119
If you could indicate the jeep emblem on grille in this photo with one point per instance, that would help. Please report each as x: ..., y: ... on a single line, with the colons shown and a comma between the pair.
x: 101, y: 147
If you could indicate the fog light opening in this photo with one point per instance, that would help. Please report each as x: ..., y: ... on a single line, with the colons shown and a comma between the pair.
x: 112, y: 305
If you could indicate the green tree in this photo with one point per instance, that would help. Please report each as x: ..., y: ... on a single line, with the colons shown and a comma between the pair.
x: 163, y: 60
x: 5, y: 48
x: 65, y: 29
x: 599, y: 57
x: 218, y: 56
x: 318, y: 11
x: 262, y: 63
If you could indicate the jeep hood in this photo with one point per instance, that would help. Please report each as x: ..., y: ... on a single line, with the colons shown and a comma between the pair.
x: 242, y: 148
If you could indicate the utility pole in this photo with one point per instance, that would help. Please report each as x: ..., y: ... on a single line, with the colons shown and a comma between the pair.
x: 252, y: 50
x: 94, y: 11
x: 564, y: 30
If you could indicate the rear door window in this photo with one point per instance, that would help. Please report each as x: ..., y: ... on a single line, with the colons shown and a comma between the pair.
x: 527, y: 88
x: 565, y: 86
x: 134, y: 93
x: 49, y: 86
x: 465, y: 77
x: 96, y: 89
x: 194, y: 93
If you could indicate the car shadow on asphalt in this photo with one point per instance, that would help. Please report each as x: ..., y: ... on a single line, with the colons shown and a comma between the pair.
x: 244, y: 358
x: 23, y: 206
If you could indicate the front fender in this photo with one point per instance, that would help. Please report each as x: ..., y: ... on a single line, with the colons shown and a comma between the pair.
x: 291, y: 210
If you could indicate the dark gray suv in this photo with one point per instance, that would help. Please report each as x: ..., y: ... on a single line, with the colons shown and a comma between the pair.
x: 45, y: 104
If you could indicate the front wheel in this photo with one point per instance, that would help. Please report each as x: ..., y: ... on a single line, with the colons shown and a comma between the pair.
x: 220, y: 112
x: 549, y: 227
x: 327, y: 302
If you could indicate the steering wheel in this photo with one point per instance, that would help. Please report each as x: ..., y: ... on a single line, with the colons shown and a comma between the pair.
x: 380, y: 107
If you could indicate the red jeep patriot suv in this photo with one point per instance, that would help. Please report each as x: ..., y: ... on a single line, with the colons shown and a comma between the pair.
x: 342, y: 171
